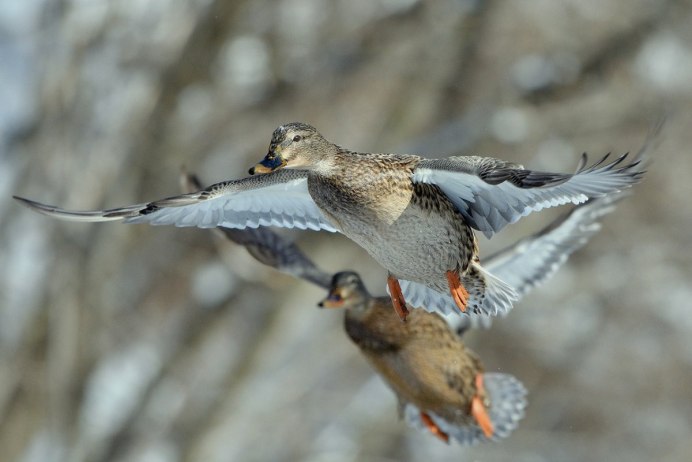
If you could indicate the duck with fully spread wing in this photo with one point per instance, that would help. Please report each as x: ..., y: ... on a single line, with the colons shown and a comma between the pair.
x: 441, y: 384
x: 415, y: 216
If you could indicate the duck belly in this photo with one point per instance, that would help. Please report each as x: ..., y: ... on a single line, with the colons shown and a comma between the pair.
x: 418, y: 383
x: 411, y: 229
x: 421, y: 245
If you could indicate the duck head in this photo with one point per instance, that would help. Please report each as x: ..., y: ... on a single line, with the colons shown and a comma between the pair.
x: 294, y: 145
x: 347, y: 291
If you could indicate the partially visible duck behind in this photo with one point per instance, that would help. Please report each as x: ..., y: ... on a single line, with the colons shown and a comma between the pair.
x: 440, y: 384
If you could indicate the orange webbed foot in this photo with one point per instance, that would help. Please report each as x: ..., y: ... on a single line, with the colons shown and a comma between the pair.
x: 433, y: 428
x: 459, y: 293
x: 397, y: 297
x: 478, y: 410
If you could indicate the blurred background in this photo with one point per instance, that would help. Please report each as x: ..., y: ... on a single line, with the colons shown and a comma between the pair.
x: 136, y: 343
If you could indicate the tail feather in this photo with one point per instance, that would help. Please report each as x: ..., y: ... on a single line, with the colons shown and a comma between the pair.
x: 507, y: 406
x: 507, y: 402
x: 488, y: 295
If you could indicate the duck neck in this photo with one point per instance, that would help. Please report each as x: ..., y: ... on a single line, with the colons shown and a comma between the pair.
x: 364, y: 328
x: 360, y: 309
x: 331, y: 164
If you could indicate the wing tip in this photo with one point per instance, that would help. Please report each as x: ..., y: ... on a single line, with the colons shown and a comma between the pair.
x: 35, y: 206
x: 23, y: 200
x: 62, y: 214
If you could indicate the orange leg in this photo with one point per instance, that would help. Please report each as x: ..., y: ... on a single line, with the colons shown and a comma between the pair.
x: 457, y: 290
x: 397, y: 297
x: 478, y: 409
x: 432, y: 426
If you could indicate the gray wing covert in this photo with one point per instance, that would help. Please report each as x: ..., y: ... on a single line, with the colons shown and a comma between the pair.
x: 490, y: 193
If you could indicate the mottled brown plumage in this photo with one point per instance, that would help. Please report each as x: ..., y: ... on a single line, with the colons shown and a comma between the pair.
x: 426, y: 364
x: 412, y: 229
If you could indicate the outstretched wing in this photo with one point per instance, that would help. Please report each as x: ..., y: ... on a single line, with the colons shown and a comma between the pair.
x: 276, y: 199
x: 491, y: 193
x: 534, y: 259
x: 268, y: 247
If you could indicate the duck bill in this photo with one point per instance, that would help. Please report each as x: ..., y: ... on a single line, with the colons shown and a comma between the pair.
x: 272, y: 161
x: 333, y: 300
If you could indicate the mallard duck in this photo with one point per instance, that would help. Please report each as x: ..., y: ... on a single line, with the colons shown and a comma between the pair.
x: 440, y: 384
x: 524, y: 265
x: 428, y: 367
x: 415, y: 216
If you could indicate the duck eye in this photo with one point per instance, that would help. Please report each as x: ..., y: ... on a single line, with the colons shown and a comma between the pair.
x: 297, y: 138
